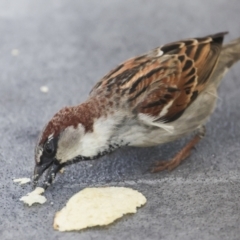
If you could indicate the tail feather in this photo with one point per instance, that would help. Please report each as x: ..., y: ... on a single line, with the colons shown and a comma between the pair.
x: 230, y: 54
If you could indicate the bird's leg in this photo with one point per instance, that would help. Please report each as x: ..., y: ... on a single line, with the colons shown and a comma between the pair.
x: 180, y: 156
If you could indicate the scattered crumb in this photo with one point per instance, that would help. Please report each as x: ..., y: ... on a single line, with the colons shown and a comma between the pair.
x: 22, y: 181
x: 44, y: 89
x: 62, y: 170
x: 15, y: 52
x: 97, y: 207
x: 34, y: 197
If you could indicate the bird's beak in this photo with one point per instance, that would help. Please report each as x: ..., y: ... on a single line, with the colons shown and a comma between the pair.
x: 53, y: 168
x: 39, y: 170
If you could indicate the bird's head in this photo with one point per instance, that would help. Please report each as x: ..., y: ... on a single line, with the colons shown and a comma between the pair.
x: 62, y: 141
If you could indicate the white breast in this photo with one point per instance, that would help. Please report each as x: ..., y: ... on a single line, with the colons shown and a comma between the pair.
x: 150, y: 133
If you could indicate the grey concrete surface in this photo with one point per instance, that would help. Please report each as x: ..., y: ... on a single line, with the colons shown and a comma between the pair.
x: 68, y: 45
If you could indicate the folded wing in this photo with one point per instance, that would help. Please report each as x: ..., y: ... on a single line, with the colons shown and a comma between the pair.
x: 164, y: 82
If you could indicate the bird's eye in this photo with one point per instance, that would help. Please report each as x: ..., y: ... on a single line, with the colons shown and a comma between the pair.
x: 49, y: 147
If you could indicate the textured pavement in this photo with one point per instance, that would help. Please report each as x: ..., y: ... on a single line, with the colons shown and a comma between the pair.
x: 68, y: 45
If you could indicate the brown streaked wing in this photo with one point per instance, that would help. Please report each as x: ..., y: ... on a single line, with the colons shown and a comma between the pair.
x: 164, y: 85
x: 197, y: 59
x: 121, y: 73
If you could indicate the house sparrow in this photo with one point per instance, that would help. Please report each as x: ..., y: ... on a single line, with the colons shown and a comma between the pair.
x: 148, y: 100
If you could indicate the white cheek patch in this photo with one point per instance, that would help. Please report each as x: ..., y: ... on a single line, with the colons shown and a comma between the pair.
x: 75, y: 142
x: 69, y: 143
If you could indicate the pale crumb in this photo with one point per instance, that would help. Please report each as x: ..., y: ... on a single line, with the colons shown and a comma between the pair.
x: 15, y: 52
x: 62, y: 170
x: 34, y: 197
x: 44, y: 89
x: 97, y: 207
x: 22, y: 181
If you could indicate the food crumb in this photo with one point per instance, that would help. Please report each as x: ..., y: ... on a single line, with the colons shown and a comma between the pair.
x: 34, y: 197
x: 97, y: 207
x: 44, y: 89
x: 22, y: 181
x: 15, y: 52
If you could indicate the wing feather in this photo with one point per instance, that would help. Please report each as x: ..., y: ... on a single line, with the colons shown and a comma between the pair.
x: 164, y: 82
